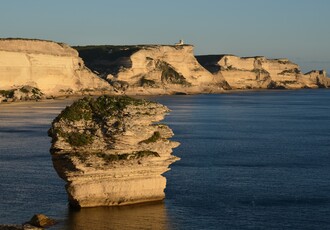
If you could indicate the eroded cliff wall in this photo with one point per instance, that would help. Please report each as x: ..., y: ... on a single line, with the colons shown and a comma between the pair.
x: 57, y: 69
x: 262, y: 73
x: 52, y: 67
x: 152, y: 69
x: 112, y: 151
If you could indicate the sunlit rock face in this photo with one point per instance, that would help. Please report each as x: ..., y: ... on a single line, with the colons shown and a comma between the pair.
x: 111, y: 151
x: 54, y: 68
x: 151, y: 69
x: 262, y: 73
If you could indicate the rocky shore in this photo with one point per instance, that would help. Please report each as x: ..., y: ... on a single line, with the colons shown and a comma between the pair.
x: 37, y: 222
x: 112, y: 151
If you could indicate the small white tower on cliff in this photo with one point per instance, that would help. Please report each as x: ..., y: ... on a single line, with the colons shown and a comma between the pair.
x: 180, y: 43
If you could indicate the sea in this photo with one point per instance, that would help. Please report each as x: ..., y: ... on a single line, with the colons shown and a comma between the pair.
x: 249, y: 160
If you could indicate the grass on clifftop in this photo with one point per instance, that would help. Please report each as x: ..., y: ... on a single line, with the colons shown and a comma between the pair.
x: 77, y: 111
x: 87, y: 108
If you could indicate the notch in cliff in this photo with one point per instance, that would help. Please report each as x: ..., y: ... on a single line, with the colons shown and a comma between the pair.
x: 112, y: 151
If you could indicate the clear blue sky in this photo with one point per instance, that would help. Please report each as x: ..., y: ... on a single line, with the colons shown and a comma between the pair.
x: 297, y: 29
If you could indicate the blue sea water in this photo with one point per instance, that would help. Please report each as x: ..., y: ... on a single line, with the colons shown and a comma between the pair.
x: 249, y: 160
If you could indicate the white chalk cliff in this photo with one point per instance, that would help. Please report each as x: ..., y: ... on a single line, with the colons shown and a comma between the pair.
x: 52, y: 67
x: 262, y: 73
x: 57, y: 69
x: 111, y: 151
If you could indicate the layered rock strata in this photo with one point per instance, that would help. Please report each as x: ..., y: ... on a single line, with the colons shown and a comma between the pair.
x: 262, y: 73
x: 151, y: 69
x: 54, y: 68
x: 111, y: 151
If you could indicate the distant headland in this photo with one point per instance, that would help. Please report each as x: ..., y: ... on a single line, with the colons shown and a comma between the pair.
x: 35, y: 69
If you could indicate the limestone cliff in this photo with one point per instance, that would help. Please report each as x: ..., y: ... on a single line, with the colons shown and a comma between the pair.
x: 53, y: 68
x: 151, y: 69
x: 111, y: 151
x: 57, y: 69
x: 262, y: 73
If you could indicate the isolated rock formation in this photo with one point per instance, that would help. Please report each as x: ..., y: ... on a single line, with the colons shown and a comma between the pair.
x: 262, y: 73
x: 41, y: 220
x: 151, y: 69
x: 54, y: 68
x: 111, y: 152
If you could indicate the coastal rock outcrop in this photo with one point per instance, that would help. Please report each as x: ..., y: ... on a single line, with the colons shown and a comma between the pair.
x: 262, y: 73
x: 151, y: 69
x: 111, y: 151
x: 54, y: 68
x: 37, y: 222
x: 23, y: 93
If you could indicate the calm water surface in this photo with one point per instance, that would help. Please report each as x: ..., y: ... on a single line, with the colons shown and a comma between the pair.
x: 253, y: 160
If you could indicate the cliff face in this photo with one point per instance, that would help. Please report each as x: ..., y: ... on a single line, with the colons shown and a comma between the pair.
x: 259, y: 72
x: 56, y: 69
x: 151, y: 69
x: 111, y: 152
x: 53, y: 68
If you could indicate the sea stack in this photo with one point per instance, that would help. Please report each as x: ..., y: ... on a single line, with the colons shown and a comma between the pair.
x: 111, y: 151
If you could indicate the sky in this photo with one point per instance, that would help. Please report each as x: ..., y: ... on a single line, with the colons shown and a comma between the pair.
x: 295, y: 29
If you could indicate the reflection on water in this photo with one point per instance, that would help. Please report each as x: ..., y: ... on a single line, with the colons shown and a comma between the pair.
x: 144, y: 216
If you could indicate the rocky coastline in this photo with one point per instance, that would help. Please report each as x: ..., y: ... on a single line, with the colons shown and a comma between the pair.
x: 56, y: 69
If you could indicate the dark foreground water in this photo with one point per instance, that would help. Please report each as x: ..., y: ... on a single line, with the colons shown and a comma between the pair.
x: 253, y: 160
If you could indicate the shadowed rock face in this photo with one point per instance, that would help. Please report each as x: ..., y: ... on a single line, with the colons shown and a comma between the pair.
x: 262, y: 73
x: 111, y: 152
x: 151, y: 69
x: 54, y: 68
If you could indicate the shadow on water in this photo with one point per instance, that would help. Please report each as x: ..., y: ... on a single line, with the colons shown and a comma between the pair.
x: 142, y: 216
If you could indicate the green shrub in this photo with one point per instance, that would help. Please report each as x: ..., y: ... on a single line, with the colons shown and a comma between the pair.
x: 7, y: 93
x: 103, y: 106
x: 111, y: 105
x: 79, y: 139
x: 77, y: 111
